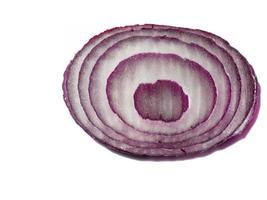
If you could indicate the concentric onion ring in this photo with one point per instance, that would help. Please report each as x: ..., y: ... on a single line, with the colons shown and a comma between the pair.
x: 197, y: 92
x: 183, y: 71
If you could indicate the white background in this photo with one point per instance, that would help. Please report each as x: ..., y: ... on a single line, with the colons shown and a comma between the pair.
x: 44, y: 154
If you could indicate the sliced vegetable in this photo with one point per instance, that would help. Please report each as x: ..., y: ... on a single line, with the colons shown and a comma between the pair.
x: 161, y: 91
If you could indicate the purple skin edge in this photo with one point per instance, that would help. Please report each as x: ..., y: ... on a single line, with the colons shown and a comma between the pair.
x: 219, y: 146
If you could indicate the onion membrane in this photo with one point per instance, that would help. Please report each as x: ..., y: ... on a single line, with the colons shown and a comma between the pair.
x: 160, y: 91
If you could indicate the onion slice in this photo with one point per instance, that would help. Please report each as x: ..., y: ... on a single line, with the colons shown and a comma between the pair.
x: 161, y: 91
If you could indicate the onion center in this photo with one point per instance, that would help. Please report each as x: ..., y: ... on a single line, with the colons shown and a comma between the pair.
x: 163, y: 100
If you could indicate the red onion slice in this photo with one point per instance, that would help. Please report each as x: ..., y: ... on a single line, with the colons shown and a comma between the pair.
x: 239, y: 87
